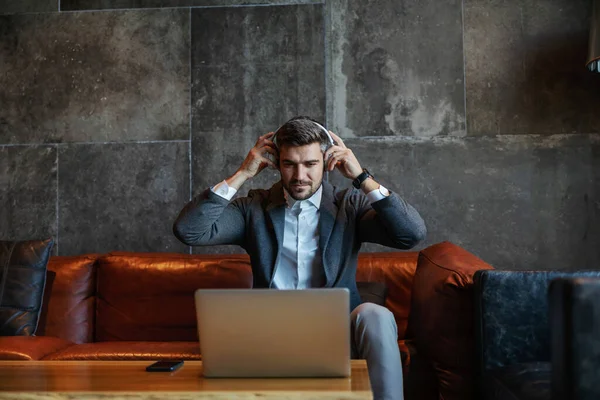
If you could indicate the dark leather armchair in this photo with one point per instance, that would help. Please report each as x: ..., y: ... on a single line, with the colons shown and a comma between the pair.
x: 575, y: 336
x: 513, y: 335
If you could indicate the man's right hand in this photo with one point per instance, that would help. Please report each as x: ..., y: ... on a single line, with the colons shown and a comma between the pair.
x: 255, y: 161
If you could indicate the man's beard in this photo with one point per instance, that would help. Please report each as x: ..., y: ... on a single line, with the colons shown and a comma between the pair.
x: 303, y: 196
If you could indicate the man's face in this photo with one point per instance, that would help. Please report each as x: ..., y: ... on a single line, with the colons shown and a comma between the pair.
x: 301, y: 169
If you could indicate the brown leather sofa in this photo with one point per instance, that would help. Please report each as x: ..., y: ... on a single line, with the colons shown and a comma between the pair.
x: 139, y: 306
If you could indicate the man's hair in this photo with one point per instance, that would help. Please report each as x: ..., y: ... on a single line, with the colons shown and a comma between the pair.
x: 300, y: 131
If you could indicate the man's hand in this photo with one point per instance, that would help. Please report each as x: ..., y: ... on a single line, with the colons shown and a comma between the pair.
x: 255, y: 161
x: 343, y: 158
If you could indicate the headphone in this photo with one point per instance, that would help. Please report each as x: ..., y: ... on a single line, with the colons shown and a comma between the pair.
x: 331, y: 143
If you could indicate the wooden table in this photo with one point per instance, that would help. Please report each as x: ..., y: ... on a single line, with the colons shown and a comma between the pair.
x: 50, y: 380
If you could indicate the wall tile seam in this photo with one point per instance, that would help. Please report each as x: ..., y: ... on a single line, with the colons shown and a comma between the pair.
x: 57, y: 200
x: 460, y: 139
x: 27, y: 13
x: 191, y: 85
x: 229, y: 65
x: 154, y: 8
x: 91, y: 143
x: 190, y: 147
x: 326, y: 58
x: 370, y: 139
x: 464, y: 67
x: 182, y: 7
x: 28, y: 145
x: 522, y: 135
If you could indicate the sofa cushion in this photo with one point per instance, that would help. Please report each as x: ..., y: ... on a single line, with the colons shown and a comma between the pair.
x: 69, y: 307
x: 22, y: 279
x: 441, y: 317
x: 129, y: 351
x: 526, y: 381
x: 150, y: 297
x: 30, y: 347
x: 396, y: 270
x: 159, y: 350
x: 372, y: 292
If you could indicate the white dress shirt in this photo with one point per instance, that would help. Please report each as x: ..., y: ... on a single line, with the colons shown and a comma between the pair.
x: 299, y: 264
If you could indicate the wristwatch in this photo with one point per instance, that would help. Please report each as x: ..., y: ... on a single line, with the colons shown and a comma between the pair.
x: 361, y: 178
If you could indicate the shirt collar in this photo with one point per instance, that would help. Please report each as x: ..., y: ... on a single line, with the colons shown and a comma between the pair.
x: 315, y: 199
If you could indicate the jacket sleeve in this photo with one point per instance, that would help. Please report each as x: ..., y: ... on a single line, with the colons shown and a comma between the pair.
x: 210, y: 219
x: 390, y: 222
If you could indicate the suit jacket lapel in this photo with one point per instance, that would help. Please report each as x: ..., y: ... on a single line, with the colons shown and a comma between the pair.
x: 276, y: 211
x: 327, y: 214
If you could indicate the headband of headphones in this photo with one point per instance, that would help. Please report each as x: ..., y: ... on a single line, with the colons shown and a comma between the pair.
x: 331, y: 142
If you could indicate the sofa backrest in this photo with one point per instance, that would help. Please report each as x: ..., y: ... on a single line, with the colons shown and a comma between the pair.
x: 149, y: 296
x: 126, y: 296
x: 69, y: 299
x: 441, y: 316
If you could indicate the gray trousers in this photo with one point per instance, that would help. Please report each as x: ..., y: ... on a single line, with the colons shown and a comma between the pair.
x: 375, y: 339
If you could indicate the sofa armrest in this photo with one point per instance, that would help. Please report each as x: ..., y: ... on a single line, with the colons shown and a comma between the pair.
x: 511, y: 316
x: 575, y: 337
x: 30, y: 347
x: 441, y: 316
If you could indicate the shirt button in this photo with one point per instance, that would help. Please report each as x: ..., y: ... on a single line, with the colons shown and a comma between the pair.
x: 303, y: 218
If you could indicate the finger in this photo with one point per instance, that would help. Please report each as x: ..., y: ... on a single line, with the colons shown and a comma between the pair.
x: 270, y: 150
x: 268, y: 162
x: 332, y: 162
x: 330, y: 151
x: 329, y: 164
x: 337, y: 139
x: 266, y: 143
x: 339, y: 152
x: 267, y: 146
x: 327, y: 155
x: 264, y: 137
x: 260, y: 139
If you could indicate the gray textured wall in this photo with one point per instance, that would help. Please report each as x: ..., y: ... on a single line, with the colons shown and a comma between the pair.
x: 479, y: 112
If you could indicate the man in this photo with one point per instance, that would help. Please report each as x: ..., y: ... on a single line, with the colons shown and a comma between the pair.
x: 303, y: 232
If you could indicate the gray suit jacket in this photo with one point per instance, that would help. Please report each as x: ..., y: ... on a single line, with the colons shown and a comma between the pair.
x: 256, y: 223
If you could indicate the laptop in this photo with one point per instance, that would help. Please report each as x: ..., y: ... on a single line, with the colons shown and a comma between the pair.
x: 268, y: 333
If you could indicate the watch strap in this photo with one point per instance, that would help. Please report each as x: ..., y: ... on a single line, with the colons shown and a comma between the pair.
x: 361, y: 178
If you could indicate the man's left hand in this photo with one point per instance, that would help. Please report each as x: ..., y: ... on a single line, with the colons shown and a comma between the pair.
x: 343, y: 158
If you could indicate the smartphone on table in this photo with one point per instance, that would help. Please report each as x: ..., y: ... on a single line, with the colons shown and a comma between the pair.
x: 165, y: 366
